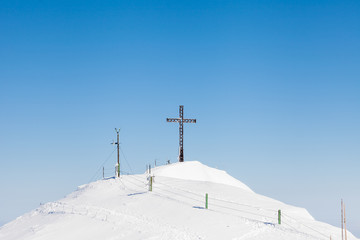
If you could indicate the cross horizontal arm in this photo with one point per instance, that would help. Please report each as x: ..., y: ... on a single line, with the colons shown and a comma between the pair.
x: 173, y: 119
x: 189, y: 120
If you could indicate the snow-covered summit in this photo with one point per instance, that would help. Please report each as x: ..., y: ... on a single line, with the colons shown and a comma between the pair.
x: 124, y: 208
x: 197, y: 171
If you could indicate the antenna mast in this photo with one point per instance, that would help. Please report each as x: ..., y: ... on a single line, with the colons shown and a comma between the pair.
x: 118, y: 153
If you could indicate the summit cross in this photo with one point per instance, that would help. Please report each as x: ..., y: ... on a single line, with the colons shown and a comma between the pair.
x: 181, y: 122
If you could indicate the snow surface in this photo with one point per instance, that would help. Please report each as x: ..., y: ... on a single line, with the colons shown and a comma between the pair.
x: 197, y: 171
x: 124, y: 209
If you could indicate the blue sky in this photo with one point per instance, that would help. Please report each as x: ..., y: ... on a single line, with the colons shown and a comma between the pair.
x: 274, y: 87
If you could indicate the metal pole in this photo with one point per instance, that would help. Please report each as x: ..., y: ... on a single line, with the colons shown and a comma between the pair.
x: 118, y: 153
x: 103, y: 173
x: 117, y: 171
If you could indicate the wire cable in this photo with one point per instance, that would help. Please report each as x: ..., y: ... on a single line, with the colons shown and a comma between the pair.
x: 305, y: 225
x: 223, y: 200
x: 126, y: 160
x: 102, y: 165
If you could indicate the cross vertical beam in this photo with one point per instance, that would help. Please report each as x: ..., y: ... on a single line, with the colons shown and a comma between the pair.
x: 181, y: 122
x: 181, y: 134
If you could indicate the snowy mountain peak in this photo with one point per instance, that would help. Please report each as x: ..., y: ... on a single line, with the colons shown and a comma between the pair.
x: 194, y: 170
x: 124, y: 208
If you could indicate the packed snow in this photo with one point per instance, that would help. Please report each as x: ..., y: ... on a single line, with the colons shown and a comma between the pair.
x: 124, y: 208
x: 198, y: 172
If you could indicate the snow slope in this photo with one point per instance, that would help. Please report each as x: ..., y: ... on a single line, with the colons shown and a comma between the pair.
x: 125, y: 209
x: 198, y: 172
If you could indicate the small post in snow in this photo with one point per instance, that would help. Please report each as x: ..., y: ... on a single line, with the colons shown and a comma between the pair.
x: 279, y: 216
x: 206, y: 200
x: 103, y: 173
x: 150, y: 183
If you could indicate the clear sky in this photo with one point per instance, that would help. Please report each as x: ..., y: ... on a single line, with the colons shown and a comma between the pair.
x: 274, y: 86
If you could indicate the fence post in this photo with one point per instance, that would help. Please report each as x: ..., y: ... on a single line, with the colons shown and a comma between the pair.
x: 206, y: 200
x: 279, y: 216
x: 150, y: 184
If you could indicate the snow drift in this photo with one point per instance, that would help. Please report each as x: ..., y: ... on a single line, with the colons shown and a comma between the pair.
x: 123, y: 208
x: 197, y: 171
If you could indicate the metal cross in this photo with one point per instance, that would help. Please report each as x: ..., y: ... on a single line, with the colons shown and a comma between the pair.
x: 181, y: 122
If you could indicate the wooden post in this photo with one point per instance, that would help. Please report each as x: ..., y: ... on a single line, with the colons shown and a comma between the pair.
x: 150, y: 183
x: 279, y: 216
x: 345, y: 223
x: 206, y: 200
x: 342, y: 221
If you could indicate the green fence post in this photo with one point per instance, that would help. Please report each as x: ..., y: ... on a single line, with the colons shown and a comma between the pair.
x: 279, y: 216
x: 150, y: 186
x: 206, y: 201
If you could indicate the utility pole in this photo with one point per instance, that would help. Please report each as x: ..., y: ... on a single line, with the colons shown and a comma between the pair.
x: 181, y: 122
x: 345, y: 223
x: 118, y: 153
x: 342, y: 221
